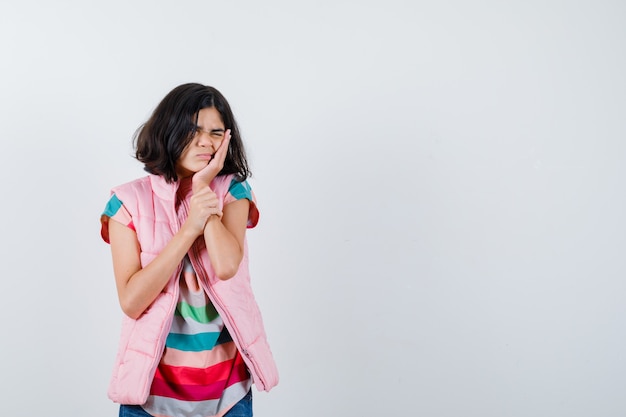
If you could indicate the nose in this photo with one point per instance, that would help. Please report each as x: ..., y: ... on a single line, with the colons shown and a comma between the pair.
x: 207, y: 139
x: 204, y: 139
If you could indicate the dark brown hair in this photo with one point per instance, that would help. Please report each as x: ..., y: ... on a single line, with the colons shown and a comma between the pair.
x: 161, y: 140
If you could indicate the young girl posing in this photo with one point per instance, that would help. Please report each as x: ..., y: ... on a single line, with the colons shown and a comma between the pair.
x: 192, y: 341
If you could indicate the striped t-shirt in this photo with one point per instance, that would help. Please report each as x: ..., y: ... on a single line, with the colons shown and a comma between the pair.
x: 201, y: 372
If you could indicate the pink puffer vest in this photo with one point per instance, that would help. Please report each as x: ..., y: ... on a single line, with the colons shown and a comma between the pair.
x: 151, y: 203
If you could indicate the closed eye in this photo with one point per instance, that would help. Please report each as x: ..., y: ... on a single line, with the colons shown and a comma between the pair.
x: 214, y: 133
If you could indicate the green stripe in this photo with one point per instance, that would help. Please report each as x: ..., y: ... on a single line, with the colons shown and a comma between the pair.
x: 203, y: 314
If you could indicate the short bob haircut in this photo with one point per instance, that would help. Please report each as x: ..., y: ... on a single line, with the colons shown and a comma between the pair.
x: 161, y: 140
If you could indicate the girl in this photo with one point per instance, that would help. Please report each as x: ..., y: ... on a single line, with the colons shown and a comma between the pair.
x: 192, y: 341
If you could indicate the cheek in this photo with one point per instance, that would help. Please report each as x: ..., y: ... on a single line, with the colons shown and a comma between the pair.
x: 182, y: 159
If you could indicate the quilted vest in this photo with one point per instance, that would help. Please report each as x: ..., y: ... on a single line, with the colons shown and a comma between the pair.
x: 151, y: 202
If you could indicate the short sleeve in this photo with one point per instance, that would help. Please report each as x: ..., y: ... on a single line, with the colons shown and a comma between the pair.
x: 114, y: 210
x: 238, y: 190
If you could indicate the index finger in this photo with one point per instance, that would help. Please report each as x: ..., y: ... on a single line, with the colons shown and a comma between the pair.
x: 221, y: 152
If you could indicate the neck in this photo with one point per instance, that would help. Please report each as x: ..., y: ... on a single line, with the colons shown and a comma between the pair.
x: 184, y: 187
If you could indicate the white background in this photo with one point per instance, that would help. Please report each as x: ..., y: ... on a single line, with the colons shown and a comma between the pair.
x: 441, y: 187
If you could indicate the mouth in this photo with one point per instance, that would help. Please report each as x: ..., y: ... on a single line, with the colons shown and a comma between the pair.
x: 205, y: 156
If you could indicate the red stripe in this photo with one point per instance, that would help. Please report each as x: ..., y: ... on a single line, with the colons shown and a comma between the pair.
x: 198, y: 392
x: 197, y: 376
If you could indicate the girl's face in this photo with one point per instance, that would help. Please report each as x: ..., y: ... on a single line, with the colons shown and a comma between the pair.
x: 207, y: 137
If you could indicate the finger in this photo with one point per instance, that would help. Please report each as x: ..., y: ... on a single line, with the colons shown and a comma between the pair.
x: 221, y: 152
x: 205, y: 176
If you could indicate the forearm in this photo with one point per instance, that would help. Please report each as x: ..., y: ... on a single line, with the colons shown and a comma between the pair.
x: 143, y: 287
x: 225, y: 251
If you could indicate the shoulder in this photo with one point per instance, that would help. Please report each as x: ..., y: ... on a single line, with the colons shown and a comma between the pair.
x: 138, y: 188
x: 137, y: 183
x: 221, y: 182
x: 240, y: 189
x: 228, y: 185
x: 233, y: 189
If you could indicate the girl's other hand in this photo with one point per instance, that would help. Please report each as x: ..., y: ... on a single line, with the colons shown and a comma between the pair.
x: 202, y: 205
x: 203, y: 178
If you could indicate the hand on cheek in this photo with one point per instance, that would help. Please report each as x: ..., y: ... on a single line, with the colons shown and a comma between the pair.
x: 204, y: 177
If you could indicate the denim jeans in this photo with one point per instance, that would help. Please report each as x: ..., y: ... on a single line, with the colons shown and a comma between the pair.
x: 242, y: 409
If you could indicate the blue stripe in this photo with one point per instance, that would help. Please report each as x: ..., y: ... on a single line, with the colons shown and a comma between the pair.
x: 240, y: 190
x: 113, y: 206
x: 192, y: 342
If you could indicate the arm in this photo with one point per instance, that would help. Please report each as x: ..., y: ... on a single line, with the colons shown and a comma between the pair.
x: 225, y: 230
x: 138, y: 287
x: 224, y: 238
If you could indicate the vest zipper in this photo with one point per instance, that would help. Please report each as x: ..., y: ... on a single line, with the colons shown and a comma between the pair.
x: 228, y: 321
x: 195, y: 258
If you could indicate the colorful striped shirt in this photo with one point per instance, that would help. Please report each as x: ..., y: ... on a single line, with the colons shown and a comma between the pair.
x: 201, y: 372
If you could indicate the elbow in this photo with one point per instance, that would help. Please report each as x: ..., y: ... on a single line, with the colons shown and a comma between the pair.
x: 226, y: 271
x: 133, y: 314
x: 225, y: 274
x: 130, y: 310
x: 227, y: 267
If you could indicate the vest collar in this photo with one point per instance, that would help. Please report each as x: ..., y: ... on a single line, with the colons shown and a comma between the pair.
x: 163, y: 189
